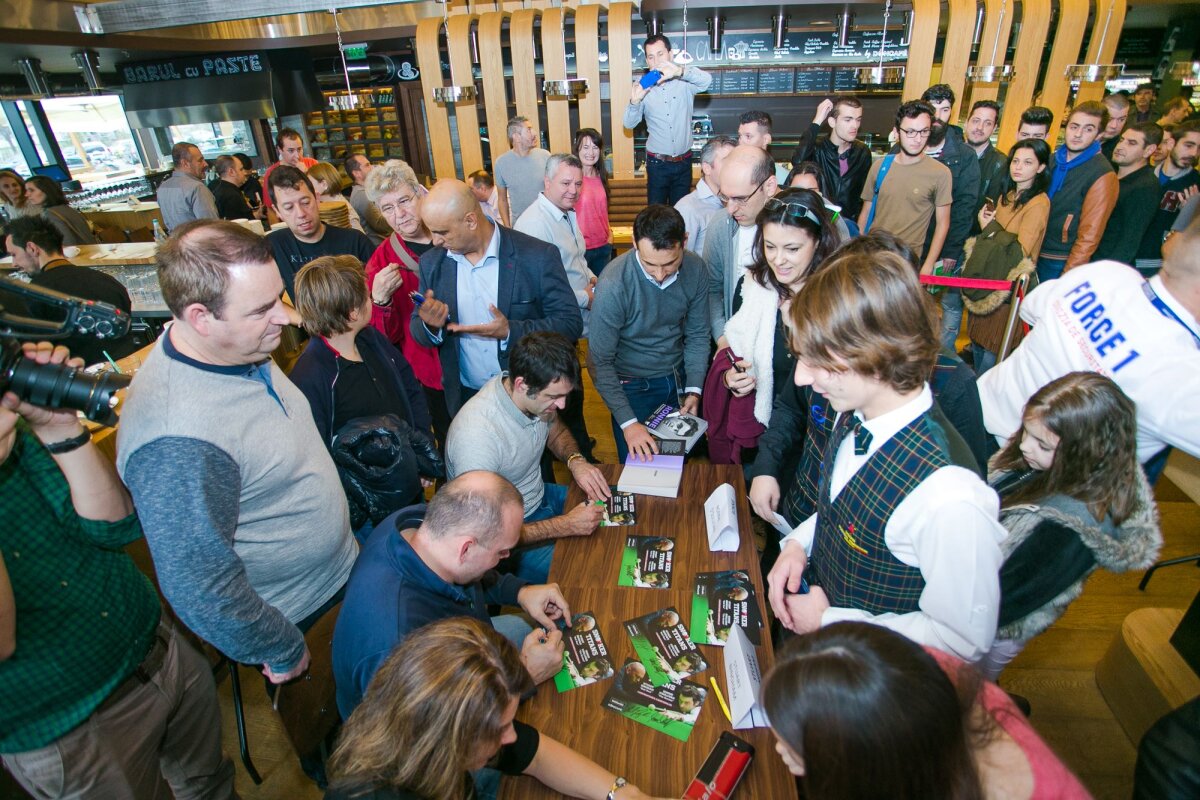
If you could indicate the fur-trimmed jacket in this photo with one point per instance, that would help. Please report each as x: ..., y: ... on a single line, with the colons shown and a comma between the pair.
x: 1054, y: 545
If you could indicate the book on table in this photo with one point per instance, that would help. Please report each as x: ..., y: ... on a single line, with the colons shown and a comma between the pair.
x: 659, y: 476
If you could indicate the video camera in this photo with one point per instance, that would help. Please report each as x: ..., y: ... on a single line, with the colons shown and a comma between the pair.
x: 58, y: 385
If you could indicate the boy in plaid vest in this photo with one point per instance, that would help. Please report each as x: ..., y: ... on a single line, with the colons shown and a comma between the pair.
x: 896, y: 533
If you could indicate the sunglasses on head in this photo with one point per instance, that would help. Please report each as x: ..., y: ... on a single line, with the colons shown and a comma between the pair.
x: 796, y: 210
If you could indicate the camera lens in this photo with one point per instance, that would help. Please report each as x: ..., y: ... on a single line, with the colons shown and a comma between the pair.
x: 61, y: 386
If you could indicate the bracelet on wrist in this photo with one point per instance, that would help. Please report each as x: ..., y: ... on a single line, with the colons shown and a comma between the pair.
x: 67, y: 445
x: 572, y: 457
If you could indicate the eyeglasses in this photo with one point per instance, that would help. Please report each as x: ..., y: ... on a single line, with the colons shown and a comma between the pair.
x: 909, y: 134
x: 797, y: 210
x: 403, y: 202
x: 741, y: 201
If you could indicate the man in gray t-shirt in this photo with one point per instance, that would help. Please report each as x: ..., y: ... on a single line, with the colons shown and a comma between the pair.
x: 520, y: 171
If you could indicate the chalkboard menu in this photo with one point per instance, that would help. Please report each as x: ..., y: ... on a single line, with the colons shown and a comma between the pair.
x: 739, y: 81
x: 745, y: 49
x: 845, y: 80
x: 777, y: 81
x: 816, y: 81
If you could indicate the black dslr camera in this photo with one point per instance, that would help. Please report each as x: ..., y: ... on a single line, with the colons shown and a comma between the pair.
x: 58, y: 385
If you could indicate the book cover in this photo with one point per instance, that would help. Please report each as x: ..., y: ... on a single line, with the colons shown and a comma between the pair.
x: 721, y: 600
x: 619, y: 510
x: 667, y: 423
x: 585, y: 657
x: 646, y: 562
x: 662, y: 644
x: 671, y: 709
x: 660, y: 476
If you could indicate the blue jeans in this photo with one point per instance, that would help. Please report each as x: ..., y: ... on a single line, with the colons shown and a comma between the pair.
x: 952, y: 314
x: 984, y: 359
x: 1049, y: 269
x: 667, y: 181
x: 533, y: 563
x: 645, y: 395
x: 598, y: 258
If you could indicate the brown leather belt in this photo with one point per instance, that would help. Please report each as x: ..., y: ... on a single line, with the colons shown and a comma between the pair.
x: 674, y: 159
x: 145, y: 671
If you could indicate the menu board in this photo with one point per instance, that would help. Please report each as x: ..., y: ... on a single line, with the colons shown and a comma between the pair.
x: 739, y: 81
x: 739, y: 49
x: 778, y: 81
x: 845, y: 80
x: 816, y: 81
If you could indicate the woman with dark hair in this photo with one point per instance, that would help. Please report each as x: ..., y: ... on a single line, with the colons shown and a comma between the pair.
x: 795, y: 236
x: 1023, y: 210
x: 443, y: 706
x: 44, y: 195
x: 861, y: 712
x: 592, y: 208
x: 12, y: 194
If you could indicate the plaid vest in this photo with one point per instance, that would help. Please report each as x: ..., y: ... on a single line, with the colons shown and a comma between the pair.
x: 850, y: 558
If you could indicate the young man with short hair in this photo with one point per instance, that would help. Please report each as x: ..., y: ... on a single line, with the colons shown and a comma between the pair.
x: 1083, y: 191
x: 993, y: 163
x: 844, y: 161
x: 1175, y: 111
x: 896, y: 533
x: 1118, y: 116
x: 291, y: 154
x: 1179, y: 182
x: 666, y: 108
x: 1138, y: 197
x: 754, y: 129
x: 1143, y: 100
x: 702, y: 204
x: 915, y: 191
x: 1035, y: 123
x: 519, y: 172
x: 946, y: 145
x: 358, y: 167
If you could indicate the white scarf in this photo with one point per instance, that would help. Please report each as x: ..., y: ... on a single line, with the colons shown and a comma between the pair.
x: 751, y: 335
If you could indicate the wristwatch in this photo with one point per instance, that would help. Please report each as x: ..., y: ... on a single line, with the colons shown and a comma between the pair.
x: 619, y: 783
x: 573, y: 456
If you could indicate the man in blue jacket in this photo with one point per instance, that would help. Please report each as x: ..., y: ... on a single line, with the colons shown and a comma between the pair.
x: 484, y: 287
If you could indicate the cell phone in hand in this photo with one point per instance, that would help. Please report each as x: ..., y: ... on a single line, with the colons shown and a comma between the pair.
x: 650, y: 79
x: 417, y: 298
x: 733, y: 362
x: 989, y: 204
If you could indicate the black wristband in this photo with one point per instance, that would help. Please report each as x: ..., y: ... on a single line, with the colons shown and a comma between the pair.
x: 67, y: 445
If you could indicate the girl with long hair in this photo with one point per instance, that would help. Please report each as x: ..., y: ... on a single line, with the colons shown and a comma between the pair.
x: 1022, y: 209
x: 44, y: 196
x: 335, y: 208
x: 12, y: 194
x: 861, y: 712
x: 1073, y: 498
x: 795, y: 236
x: 442, y: 706
x: 592, y: 208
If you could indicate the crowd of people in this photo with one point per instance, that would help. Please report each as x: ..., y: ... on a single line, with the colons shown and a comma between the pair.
x: 939, y: 512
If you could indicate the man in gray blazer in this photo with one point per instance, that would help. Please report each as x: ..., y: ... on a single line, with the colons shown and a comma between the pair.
x: 484, y: 287
x: 747, y: 181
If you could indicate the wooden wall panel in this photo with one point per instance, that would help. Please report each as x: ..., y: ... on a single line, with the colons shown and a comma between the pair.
x: 1072, y: 19
x: 466, y: 115
x: 956, y: 55
x: 919, y: 70
x: 520, y: 37
x: 620, y: 80
x: 554, y: 67
x: 1035, y: 28
x: 495, y: 98
x: 997, y: 20
x: 438, y: 121
x: 1094, y: 90
x: 587, y: 63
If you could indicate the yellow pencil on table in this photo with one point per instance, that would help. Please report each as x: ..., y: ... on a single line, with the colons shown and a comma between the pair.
x: 720, y: 699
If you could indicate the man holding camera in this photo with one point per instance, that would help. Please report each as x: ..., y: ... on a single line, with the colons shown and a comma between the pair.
x: 102, y: 696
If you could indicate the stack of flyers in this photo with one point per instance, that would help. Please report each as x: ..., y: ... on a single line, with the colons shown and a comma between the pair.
x: 671, y: 709
x: 619, y: 509
x: 647, y: 562
x: 664, y: 647
x: 720, y: 601
x: 585, y: 658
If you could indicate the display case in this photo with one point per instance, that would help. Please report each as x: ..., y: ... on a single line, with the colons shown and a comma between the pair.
x: 363, y: 121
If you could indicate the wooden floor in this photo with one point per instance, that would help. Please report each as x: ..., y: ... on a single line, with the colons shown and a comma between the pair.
x: 1055, y: 672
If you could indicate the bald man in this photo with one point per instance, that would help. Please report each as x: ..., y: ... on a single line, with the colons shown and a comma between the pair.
x: 747, y: 181
x: 1105, y: 317
x: 484, y: 287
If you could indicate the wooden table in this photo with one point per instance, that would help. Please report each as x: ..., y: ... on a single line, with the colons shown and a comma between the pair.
x: 586, y: 569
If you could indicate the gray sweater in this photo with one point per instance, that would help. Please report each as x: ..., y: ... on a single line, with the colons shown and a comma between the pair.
x: 638, y: 330
x: 239, y: 499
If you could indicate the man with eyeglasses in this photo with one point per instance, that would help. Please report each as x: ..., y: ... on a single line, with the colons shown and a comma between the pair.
x: 747, y: 181
x: 914, y: 190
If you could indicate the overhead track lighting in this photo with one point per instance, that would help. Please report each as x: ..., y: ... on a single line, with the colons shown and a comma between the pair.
x: 994, y: 71
x: 779, y: 29
x: 568, y: 88
x: 454, y: 93
x: 716, y: 32
x: 881, y: 76
x: 1090, y: 73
